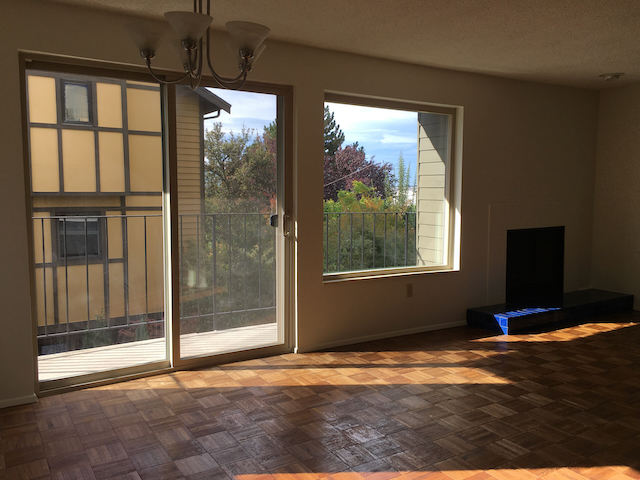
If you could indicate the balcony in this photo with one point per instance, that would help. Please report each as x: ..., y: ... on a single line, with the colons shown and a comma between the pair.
x: 100, y: 291
x: 100, y: 359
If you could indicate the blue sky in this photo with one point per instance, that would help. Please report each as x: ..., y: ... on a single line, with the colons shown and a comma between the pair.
x: 253, y: 110
x: 382, y: 132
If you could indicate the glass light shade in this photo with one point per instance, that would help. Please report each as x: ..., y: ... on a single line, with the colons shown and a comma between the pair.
x: 257, y: 54
x: 180, y: 51
x: 247, y: 35
x: 146, y: 35
x: 189, y: 25
x: 232, y: 48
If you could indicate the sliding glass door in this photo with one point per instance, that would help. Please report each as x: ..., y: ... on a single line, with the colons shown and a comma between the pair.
x: 101, y: 149
x: 96, y: 175
x: 230, y: 222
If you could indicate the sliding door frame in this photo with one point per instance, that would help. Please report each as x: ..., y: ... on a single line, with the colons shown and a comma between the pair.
x: 73, y: 65
x: 284, y: 238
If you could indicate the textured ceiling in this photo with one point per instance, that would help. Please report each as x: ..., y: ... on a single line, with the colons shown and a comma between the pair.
x: 566, y: 42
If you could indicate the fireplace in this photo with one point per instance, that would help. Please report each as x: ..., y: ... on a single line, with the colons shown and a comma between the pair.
x: 535, y: 267
x: 534, y: 288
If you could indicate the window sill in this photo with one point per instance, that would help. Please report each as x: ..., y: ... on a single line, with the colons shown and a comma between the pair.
x: 384, y: 273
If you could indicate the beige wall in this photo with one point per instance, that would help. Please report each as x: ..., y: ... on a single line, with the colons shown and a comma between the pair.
x: 616, y: 220
x: 524, y: 144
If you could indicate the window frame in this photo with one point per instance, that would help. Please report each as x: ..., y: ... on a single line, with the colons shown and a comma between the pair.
x: 61, y: 256
x: 453, y: 186
x: 63, y: 102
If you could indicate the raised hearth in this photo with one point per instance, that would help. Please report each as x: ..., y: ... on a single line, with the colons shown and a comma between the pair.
x: 575, y: 307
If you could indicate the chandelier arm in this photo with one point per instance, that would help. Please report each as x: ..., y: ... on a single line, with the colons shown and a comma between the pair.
x: 191, y: 63
x: 196, y: 77
x: 230, y: 86
x: 158, y: 79
x: 200, y: 56
x: 217, y: 77
x: 196, y: 80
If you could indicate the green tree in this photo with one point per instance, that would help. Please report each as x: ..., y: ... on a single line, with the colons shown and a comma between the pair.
x: 333, y: 136
x: 362, y: 231
x: 404, y: 176
x: 240, y: 169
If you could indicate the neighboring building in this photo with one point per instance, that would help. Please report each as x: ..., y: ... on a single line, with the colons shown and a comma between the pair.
x: 432, y: 188
x: 96, y: 185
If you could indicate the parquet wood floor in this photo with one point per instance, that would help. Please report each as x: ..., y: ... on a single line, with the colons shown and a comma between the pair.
x: 456, y: 404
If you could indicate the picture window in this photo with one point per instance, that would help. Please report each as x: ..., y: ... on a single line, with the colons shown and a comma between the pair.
x: 389, y: 200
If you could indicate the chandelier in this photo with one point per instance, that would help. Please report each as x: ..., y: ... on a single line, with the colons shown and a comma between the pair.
x: 188, y: 29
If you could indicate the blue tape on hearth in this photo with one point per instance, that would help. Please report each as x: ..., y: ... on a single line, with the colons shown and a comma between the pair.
x: 503, y: 318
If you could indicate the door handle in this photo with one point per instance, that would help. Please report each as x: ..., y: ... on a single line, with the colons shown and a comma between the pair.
x: 273, y: 221
x: 285, y: 227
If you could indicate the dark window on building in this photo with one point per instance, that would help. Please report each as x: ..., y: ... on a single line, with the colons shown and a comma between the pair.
x: 76, y: 98
x: 78, y: 237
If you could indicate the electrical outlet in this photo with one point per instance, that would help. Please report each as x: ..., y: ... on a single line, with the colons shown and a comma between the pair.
x: 409, y: 290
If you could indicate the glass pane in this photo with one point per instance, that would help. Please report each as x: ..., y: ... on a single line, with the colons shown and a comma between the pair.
x: 76, y: 102
x: 227, y: 177
x: 385, y: 188
x: 81, y: 236
x: 98, y: 259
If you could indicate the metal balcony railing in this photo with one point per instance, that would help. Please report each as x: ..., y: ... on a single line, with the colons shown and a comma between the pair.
x: 368, y: 240
x: 227, y: 271
x: 99, y: 279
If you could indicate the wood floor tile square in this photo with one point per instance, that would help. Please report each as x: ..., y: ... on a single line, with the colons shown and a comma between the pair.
x: 248, y: 466
x: 325, y: 463
x: 77, y: 472
x: 9, y: 443
x: 19, y: 456
x: 54, y: 422
x: 175, y: 435
x: 26, y: 471
x: 261, y: 445
x: 291, y: 437
x: 63, y: 446
x: 166, y: 471
x: 106, y: 453
x: 306, y: 450
x: 186, y: 449
x: 382, y: 447
x: 113, y: 468
x: 354, y: 455
x: 120, y: 409
x: 150, y: 458
x: 229, y: 455
x: 140, y: 444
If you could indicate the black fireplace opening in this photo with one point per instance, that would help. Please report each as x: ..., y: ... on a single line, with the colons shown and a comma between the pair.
x: 535, y: 267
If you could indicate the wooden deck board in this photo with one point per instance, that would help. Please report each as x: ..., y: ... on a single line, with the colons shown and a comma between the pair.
x: 83, y: 362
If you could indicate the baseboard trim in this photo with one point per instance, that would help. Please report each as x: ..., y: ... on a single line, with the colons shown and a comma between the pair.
x: 12, y: 402
x: 380, y: 336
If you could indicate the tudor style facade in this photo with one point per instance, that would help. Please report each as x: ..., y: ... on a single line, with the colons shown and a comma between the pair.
x: 96, y: 156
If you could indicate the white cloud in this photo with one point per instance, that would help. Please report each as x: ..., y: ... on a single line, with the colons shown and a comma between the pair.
x: 372, y: 126
x: 400, y: 139
x: 350, y: 116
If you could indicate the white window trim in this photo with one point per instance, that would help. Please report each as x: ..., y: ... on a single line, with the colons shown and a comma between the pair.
x: 453, y: 216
